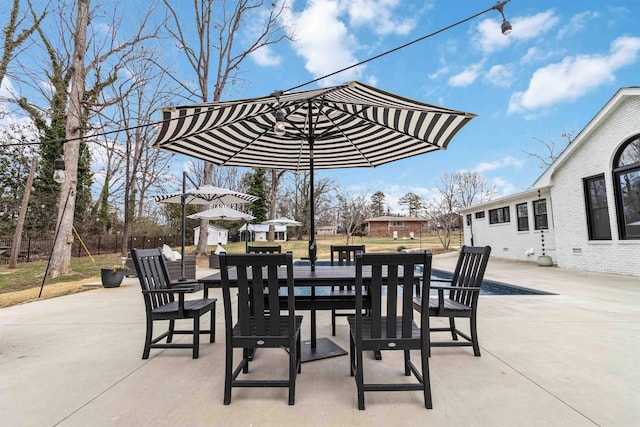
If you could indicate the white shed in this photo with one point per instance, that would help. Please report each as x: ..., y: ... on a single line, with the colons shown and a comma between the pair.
x: 216, y: 235
x: 258, y: 232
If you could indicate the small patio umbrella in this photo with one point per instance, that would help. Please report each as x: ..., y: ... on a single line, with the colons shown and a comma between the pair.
x: 350, y: 125
x: 202, y: 195
x: 224, y: 213
x: 283, y: 221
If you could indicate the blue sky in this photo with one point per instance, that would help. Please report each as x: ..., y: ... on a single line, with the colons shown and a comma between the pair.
x: 563, y: 61
x: 552, y: 74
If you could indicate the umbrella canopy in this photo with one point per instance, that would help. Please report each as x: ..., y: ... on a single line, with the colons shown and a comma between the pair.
x: 222, y: 212
x: 350, y: 125
x: 208, y: 195
x: 283, y: 221
x: 202, y: 195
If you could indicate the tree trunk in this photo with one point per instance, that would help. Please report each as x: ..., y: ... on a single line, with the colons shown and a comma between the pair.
x: 61, y: 256
x: 17, y: 236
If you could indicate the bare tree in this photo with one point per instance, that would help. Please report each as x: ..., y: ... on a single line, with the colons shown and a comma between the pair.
x: 293, y: 200
x: 441, y: 211
x: 550, y: 150
x: 222, y: 31
x: 352, y: 209
x: 11, y: 44
x: 470, y: 188
x: 111, y: 52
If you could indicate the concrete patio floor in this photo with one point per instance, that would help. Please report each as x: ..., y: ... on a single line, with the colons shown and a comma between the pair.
x: 570, y: 359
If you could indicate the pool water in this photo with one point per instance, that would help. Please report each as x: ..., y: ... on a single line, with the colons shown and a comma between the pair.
x: 488, y: 287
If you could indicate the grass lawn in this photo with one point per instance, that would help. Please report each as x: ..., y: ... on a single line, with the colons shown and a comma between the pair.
x: 22, y: 284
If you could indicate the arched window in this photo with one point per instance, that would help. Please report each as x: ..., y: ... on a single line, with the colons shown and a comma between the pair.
x: 626, y: 178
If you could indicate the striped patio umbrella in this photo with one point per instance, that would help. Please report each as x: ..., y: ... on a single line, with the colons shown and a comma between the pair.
x: 350, y: 125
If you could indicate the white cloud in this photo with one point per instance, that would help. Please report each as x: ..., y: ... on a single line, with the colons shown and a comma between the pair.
x: 503, y: 187
x: 324, y: 42
x: 500, y: 75
x: 324, y: 34
x: 490, y: 38
x: 467, y: 76
x: 378, y: 14
x: 265, y: 57
x: 498, y: 164
x: 574, y: 76
x: 577, y: 23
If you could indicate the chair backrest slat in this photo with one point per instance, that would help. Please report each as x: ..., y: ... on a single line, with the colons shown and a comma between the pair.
x: 345, y: 255
x: 399, y: 269
x: 153, y: 275
x: 257, y: 273
x: 469, y: 272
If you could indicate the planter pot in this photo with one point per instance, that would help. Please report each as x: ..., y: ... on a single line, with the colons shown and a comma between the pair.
x: 111, y: 278
x: 545, y: 261
x: 214, y: 260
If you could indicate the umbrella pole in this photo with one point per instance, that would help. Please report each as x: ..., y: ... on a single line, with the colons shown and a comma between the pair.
x: 184, y: 224
x: 312, y: 227
x: 246, y: 236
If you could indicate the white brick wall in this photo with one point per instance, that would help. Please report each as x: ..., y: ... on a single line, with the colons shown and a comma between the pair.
x: 594, y: 157
x: 505, y: 239
x: 567, y: 240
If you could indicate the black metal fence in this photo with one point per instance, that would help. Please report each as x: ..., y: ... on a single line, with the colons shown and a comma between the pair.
x: 37, y: 249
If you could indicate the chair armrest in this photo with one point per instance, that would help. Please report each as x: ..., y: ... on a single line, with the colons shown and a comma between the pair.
x: 189, y: 283
x: 456, y: 288
x: 178, y: 290
x: 441, y: 280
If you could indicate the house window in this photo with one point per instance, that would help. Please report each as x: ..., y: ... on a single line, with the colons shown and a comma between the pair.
x: 396, y: 223
x: 468, y: 220
x: 498, y: 216
x: 479, y: 215
x: 540, y: 214
x: 595, y: 194
x: 523, y: 217
x: 626, y: 177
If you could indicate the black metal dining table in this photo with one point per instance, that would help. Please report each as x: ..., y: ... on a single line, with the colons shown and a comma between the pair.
x: 305, y: 276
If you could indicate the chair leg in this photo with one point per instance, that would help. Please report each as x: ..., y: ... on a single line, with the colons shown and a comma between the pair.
x: 452, y: 326
x: 333, y: 323
x: 212, y: 337
x: 474, y: 335
x: 407, y: 358
x: 228, y: 370
x: 172, y: 325
x: 293, y: 371
x: 246, y: 352
x: 424, y: 356
x: 148, y: 338
x: 299, y: 354
x: 196, y: 337
x: 360, y: 379
x: 352, y: 355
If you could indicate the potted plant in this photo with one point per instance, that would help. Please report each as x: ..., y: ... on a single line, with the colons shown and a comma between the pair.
x: 112, y: 277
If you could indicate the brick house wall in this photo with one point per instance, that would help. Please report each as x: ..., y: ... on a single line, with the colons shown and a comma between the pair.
x: 385, y: 226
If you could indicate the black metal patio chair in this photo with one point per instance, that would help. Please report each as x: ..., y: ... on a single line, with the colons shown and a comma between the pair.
x: 160, y: 302
x: 390, y: 324
x: 461, y: 300
x: 272, y: 249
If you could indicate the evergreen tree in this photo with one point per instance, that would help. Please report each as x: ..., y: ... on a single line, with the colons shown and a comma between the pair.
x: 256, y: 184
